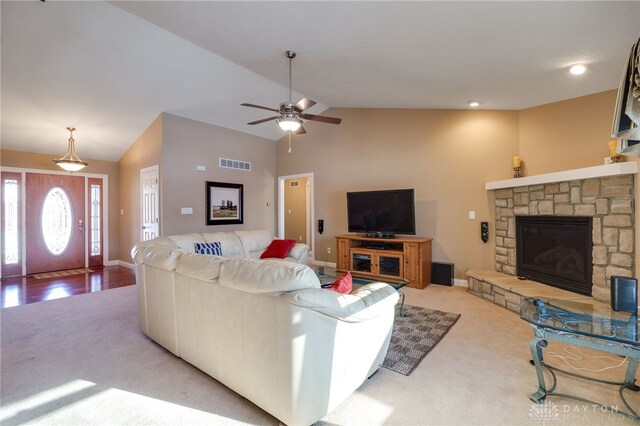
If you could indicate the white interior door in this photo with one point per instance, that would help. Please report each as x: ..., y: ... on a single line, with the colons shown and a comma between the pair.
x: 150, y: 203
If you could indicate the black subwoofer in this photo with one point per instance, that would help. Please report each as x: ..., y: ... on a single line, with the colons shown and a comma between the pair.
x: 624, y: 294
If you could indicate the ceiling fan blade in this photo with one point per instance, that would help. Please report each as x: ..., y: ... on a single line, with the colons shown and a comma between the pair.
x: 303, y: 104
x: 300, y: 131
x: 322, y: 118
x: 264, y: 120
x: 259, y: 106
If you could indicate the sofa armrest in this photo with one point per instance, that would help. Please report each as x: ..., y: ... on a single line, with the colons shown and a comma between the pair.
x: 368, y: 301
x: 299, y: 252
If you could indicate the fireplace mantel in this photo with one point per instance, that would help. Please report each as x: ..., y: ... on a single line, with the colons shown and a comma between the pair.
x: 615, y: 169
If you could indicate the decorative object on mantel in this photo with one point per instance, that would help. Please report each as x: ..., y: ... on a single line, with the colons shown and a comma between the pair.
x: 517, y: 165
x: 71, y: 162
x: 626, y: 118
x: 613, y: 153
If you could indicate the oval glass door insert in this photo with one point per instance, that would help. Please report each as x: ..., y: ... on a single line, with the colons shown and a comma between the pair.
x: 56, y: 221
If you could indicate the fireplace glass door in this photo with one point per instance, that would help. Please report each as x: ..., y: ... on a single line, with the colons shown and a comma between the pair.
x: 555, y: 250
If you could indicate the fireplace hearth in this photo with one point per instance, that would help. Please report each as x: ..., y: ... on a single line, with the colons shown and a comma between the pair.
x: 555, y: 250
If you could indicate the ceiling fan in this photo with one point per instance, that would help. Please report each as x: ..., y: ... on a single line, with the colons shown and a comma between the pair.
x: 290, y: 116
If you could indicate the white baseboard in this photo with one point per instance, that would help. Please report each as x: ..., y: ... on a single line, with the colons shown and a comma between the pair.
x: 460, y: 283
x: 120, y: 263
x: 321, y: 263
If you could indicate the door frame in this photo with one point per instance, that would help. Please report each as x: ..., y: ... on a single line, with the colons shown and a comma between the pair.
x: 23, y: 213
x: 144, y: 170
x: 310, y: 209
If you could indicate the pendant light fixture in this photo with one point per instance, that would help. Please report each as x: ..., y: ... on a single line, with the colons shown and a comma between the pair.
x: 71, y: 162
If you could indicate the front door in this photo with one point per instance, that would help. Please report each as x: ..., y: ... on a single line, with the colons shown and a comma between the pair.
x: 55, y: 222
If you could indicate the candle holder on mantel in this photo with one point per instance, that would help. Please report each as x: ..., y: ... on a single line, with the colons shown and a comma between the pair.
x: 517, y: 166
x: 613, y: 153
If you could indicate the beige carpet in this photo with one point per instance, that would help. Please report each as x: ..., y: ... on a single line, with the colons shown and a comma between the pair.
x: 83, y: 360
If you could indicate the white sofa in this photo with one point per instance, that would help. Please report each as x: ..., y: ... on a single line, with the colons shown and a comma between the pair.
x: 264, y: 328
x: 249, y: 244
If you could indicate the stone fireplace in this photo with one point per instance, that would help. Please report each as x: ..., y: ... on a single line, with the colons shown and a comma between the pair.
x: 607, y: 200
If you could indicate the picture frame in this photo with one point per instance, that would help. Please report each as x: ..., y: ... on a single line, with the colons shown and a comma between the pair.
x: 224, y: 203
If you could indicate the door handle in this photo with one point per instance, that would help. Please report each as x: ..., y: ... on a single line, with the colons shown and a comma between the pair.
x: 80, y: 225
x: 144, y: 227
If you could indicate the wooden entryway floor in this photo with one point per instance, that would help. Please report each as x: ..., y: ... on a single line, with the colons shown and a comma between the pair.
x: 24, y: 290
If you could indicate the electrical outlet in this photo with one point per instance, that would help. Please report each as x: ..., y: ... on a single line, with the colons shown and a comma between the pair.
x: 328, y: 250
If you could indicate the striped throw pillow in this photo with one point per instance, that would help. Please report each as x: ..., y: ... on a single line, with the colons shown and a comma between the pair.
x: 214, y: 248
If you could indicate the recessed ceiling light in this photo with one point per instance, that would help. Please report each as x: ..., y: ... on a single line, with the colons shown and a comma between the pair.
x: 577, y: 69
x: 474, y: 104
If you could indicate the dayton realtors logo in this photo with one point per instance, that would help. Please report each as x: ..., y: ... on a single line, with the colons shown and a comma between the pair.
x: 544, y: 412
x: 548, y: 411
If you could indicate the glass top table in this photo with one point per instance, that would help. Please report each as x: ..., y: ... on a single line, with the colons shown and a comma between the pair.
x: 328, y: 275
x: 591, y: 325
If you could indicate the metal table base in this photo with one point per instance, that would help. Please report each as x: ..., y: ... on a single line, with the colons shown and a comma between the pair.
x: 539, y: 341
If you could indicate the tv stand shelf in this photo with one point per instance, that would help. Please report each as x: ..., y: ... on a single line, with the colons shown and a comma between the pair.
x: 386, y: 259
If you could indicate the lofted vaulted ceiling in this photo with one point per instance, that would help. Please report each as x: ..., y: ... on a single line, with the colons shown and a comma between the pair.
x: 109, y: 68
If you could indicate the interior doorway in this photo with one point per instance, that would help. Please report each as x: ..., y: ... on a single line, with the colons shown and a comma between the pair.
x: 149, y: 203
x: 295, y: 209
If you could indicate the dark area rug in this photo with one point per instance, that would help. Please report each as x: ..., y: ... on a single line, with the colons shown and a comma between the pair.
x: 414, y: 335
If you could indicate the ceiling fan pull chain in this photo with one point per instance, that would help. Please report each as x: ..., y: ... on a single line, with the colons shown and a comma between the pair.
x: 290, y: 94
x: 290, y: 150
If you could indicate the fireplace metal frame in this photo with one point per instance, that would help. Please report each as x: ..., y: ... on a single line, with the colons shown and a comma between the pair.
x: 540, y: 274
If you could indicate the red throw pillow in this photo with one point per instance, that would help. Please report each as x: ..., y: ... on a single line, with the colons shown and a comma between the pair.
x: 344, y: 284
x: 278, y: 248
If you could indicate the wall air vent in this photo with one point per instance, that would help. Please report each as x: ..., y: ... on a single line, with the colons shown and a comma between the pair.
x: 235, y: 164
x: 294, y: 183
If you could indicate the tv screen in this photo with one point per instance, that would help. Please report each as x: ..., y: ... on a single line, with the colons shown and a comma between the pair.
x: 381, y: 212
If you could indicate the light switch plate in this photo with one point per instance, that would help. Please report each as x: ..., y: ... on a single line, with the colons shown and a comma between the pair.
x: 186, y: 210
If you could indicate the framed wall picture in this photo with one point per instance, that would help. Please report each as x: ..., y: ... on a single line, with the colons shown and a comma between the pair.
x: 224, y: 203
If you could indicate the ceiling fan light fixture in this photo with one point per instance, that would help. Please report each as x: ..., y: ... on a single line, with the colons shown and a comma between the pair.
x: 289, y: 124
x: 71, y: 162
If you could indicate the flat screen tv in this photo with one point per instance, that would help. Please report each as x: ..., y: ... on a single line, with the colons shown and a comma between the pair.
x: 381, y: 213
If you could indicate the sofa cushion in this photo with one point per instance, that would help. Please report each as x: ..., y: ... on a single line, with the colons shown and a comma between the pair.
x: 206, y: 268
x: 231, y: 244
x: 254, y: 241
x: 266, y: 276
x: 214, y: 248
x: 344, y: 284
x: 278, y: 249
x: 187, y: 242
x: 366, y: 302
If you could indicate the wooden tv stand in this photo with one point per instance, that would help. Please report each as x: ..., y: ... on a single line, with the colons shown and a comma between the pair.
x: 386, y: 259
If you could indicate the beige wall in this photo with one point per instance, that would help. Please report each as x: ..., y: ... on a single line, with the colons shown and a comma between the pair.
x: 188, y: 143
x: 146, y: 151
x: 30, y: 160
x: 295, y: 207
x: 178, y: 145
x: 571, y: 134
x: 567, y: 135
x: 445, y: 155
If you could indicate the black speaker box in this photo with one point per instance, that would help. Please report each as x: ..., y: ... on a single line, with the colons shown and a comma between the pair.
x: 624, y: 294
x: 442, y: 273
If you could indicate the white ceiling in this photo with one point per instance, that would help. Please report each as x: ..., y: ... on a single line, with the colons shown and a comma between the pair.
x: 109, y: 69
